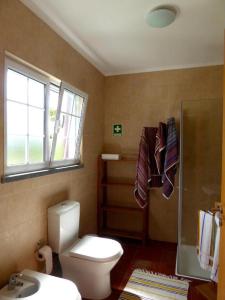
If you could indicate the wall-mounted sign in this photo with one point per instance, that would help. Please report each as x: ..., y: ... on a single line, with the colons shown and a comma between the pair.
x: 117, y: 129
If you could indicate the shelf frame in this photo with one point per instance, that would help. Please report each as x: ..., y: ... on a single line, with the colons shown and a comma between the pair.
x: 103, y: 208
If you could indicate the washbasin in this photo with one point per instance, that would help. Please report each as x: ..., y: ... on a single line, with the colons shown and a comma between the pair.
x: 27, y: 287
x: 32, y: 285
x: 28, y: 291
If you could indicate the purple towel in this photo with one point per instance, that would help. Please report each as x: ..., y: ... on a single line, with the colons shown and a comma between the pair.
x: 160, y: 147
x: 171, y: 159
x: 147, y: 174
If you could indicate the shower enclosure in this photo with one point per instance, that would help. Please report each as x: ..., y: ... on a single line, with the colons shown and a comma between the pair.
x: 199, y: 178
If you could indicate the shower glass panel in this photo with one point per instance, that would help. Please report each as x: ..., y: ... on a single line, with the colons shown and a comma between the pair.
x: 200, y: 176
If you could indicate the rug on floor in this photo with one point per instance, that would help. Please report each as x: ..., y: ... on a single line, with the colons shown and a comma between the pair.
x: 146, y: 285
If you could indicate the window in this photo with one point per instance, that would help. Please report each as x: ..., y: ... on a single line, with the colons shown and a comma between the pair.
x: 43, y: 121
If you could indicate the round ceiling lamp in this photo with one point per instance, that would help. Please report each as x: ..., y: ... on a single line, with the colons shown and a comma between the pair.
x: 160, y: 17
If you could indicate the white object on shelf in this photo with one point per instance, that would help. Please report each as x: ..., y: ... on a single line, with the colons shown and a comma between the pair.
x: 111, y: 156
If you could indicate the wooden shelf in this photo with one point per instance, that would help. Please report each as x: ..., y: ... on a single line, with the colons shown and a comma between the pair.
x: 122, y: 159
x: 122, y: 233
x: 104, y: 208
x: 118, y: 182
x: 119, y: 208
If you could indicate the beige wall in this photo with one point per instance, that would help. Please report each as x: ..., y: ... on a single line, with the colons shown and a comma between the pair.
x: 139, y: 100
x: 133, y: 100
x: 23, y: 204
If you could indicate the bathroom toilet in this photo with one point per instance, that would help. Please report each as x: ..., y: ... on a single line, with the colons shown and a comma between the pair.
x: 86, y: 261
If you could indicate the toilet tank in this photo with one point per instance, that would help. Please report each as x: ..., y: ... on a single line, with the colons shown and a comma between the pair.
x: 63, y: 225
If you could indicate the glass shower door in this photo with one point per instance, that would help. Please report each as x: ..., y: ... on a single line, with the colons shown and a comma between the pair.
x: 200, y: 176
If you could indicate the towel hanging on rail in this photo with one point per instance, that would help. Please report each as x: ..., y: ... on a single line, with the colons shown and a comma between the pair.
x: 142, y: 173
x: 160, y: 147
x: 215, y: 266
x: 146, y: 174
x: 205, y: 224
x: 208, y: 242
x: 171, y: 159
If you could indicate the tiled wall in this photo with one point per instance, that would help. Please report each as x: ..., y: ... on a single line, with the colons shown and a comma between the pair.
x: 133, y: 100
x: 139, y: 100
x: 23, y: 204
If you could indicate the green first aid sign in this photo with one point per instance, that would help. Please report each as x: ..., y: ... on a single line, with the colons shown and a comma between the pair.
x: 117, y: 129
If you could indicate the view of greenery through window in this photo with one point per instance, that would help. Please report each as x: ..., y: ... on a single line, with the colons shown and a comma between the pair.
x: 41, y: 127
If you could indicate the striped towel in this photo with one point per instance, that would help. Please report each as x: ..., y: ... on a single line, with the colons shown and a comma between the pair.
x: 142, y: 175
x: 146, y: 174
x: 204, y: 239
x: 171, y: 159
x: 160, y: 147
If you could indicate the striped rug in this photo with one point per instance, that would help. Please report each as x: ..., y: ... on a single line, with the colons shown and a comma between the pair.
x: 148, y: 286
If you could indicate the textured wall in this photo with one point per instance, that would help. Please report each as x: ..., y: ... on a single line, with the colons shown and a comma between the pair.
x: 134, y: 100
x: 139, y: 100
x: 23, y: 204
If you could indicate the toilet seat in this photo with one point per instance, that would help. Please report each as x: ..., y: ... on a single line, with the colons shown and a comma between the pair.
x: 96, y: 249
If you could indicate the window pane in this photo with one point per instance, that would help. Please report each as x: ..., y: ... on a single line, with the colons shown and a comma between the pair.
x: 70, y: 148
x: 16, y: 118
x: 74, y: 128
x: 36, y: 121
x: 16, y: 86
x: 67, y: 102
x: 67, y: 138
x: 36, y: 93
x: 59, y: 148
x: 36, y: 146
x: 16, y: 150
x: 53, y: 105
x: 65, y: 121
x: 78, y: 104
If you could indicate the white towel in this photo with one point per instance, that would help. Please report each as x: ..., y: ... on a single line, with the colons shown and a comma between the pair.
x: 214, y: 271
x: 205, y: 235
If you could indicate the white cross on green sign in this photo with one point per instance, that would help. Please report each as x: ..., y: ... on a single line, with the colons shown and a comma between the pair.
x: 117, y: 129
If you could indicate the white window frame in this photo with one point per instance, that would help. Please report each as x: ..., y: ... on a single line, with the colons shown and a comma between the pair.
x: 48, y: 163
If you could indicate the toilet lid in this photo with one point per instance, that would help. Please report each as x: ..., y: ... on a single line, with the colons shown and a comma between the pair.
x: 97, y: 249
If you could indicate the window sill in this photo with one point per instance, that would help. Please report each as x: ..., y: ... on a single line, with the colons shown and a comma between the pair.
x: 32, y: 174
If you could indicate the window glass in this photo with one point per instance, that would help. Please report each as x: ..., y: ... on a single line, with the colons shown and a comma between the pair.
x: 16, y: 86
x: 15, y: 110
x: 67, y: 102
x: 43, y: 121
x: 35, y: 93
x: 52, y: 112
x: 77, y: 109
x: 25, y: 123
x: 60, y: 149
x: 36, y: 147
x: 16, y: 150
x: 68, y: 140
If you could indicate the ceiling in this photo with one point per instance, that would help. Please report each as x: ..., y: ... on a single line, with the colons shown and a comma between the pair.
x: 113, y: 35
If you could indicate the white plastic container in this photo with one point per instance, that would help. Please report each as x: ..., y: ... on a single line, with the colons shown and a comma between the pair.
x: 111, y: 156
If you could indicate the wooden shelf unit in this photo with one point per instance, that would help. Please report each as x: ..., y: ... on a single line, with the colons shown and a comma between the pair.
x: 104, y: 208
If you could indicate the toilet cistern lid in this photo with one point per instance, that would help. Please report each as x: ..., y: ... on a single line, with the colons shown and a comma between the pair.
x: 97, y: 249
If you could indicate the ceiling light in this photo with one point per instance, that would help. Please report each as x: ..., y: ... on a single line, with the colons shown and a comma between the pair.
x: 160, y: 17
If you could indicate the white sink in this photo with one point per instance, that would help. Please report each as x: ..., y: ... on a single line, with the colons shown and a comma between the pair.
x: 39, y: 286
x: 29, y: 287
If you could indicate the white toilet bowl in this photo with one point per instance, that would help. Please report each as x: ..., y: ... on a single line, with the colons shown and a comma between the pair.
x: 88, y: 264
x: 87, y: 261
